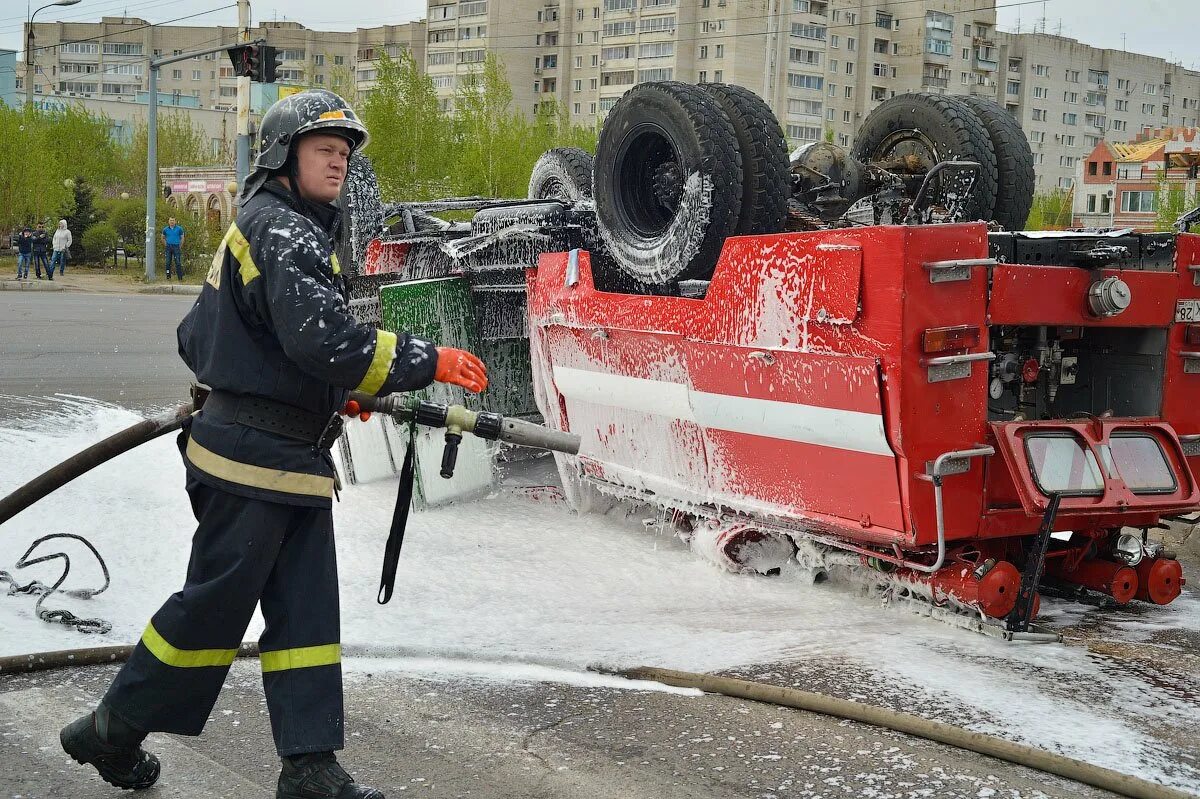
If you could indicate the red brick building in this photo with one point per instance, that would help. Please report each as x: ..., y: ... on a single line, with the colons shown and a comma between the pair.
x: 1122, y: 184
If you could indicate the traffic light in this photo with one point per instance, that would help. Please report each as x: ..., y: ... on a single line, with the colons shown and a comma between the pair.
x: 269, y: 60
x: 247, y: 60
x: 259, y: 62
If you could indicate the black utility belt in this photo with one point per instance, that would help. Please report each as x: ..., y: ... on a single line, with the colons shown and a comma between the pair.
x: 275, y: 417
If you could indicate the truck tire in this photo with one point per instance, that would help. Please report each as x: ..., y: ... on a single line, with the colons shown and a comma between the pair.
x: 668, y: 182
x: 563, y: 174
x: 766, y: 167
x: 1014, y: 162
x: 932, y: 127
x: 362, y: 214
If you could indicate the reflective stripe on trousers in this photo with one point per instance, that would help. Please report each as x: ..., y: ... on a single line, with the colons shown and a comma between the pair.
x: 244, y: 552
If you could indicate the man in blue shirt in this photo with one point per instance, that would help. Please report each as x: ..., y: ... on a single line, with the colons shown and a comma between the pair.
x: 173, y: 239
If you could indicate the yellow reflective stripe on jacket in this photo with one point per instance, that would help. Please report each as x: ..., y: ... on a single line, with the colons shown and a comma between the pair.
x: 246, y: 474
x: 381, y: 362
x: 184, y: 658
x: 301, y: 657
x: 337, y: 267
x: 239, y: 247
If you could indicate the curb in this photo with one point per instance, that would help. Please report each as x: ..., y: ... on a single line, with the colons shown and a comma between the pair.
x: 171, y: 289
x: 24, y: 285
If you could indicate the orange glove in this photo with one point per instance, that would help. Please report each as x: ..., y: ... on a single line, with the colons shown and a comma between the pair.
x: 351, y: 408
x: 460, y: 368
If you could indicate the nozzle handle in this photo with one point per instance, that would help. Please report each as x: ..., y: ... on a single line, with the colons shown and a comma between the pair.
x: 450, y: 454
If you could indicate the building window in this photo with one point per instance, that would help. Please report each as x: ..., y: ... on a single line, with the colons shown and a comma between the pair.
x: 799, y: 81
x: 1107, y: 168
x: 657, y: 50
x: 1070, y: 119
x: 177, y: 74
x: 620, y: 28
x: 657, y: 24
x: 1091, y: 200
x: 800, y: 55
x: 195, y: 74
x: 804, y: 132
x: 123, y: 48
x: 803, y: 31
x: 1139, y: 202
x: 339, y: 60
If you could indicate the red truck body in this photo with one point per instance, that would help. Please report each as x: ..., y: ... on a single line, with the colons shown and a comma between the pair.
x: 833, y: 384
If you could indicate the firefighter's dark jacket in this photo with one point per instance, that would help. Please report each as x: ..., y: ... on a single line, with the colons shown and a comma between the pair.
x: 272, y: 321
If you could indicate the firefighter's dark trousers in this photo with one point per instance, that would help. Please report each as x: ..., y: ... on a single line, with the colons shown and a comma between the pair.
x: 245, y: 551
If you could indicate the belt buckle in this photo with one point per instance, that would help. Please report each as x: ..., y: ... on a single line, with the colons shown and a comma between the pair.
x: 332, y: 432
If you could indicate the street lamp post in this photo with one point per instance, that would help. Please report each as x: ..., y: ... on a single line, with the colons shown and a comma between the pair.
x: 29, y: 49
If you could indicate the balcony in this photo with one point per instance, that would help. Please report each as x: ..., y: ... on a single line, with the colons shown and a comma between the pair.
x: 935, y: 83
x: 983, y: 91
x: 983, y: 64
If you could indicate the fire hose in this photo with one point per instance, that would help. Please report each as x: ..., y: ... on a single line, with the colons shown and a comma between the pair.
x: 807, y: 701
x: 403, y: 408
x: 458, y: 420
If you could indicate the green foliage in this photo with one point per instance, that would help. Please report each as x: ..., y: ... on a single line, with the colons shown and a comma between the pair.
x: 1051, y: 211
x: 31, y: 171
x: 128, y: 218
x: 1172, y: 204
x: 82, y: 213
x: 99, y: 241
x: 486, y: 147
x: 180, y: 143
x: 410, y: 135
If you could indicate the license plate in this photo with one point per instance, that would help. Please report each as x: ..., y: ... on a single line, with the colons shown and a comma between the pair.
x: 1187, y: 311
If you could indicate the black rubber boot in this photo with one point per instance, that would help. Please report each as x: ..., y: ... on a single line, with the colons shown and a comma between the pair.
x: 103, y: 740
x: 318, y: 775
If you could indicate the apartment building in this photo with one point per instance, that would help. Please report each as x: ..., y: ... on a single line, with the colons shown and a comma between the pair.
x: 106, y: 60
x: 1069, y: 97
x: 822, y: 65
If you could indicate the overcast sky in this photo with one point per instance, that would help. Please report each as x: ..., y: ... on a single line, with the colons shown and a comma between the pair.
x: 1163, y: 28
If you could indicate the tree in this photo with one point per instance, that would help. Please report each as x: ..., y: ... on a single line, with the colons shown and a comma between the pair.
x: 410, y: 134
x: 180, y: 143
x: 84, y: 141
x: 31, y: 174
x: 1172, y: 204
x: 487, y: 133
x: 82, y: 213
x: 1051, y: 211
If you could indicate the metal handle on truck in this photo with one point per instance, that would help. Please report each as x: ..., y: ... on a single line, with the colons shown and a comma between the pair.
x: 960, y: 269
x: 946, y: 360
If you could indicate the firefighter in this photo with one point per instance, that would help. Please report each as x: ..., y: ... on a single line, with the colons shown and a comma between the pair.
x: 272, y: 336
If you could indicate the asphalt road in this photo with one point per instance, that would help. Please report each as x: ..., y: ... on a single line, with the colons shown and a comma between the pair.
x: 114, y: 347
x: 457, y: 738
x: 436, y: 737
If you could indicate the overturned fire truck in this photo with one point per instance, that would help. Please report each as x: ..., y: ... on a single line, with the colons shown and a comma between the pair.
x: 837, y: 356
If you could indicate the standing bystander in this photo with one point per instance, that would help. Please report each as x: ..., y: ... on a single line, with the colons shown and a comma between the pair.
x: 172, y: 236
x: 24, y: 252
x: 41, y: 242
x: 61, y: 243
